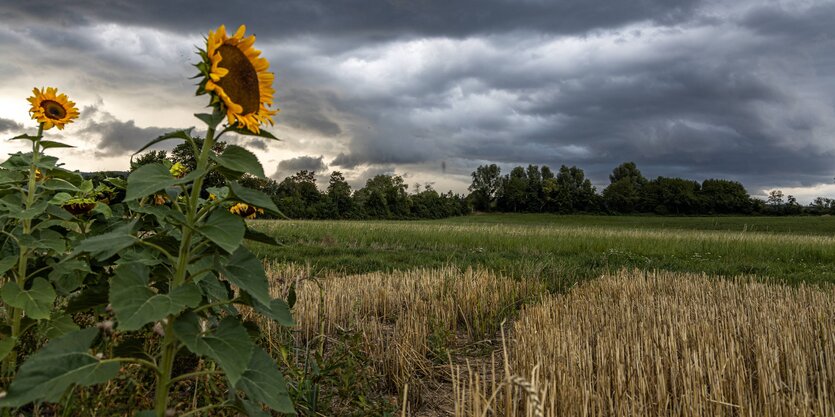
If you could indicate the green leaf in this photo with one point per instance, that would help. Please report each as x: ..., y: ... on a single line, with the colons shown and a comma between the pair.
x: 6, y: 346
x: 229, y: 344
x: 136, y: 304
x: 47, y: 162
x: 131, y: 346
x: 246, y: 271
x: 291, y: 295
x: 260, y: 237
x: 278, y: 310
x: 57, y: 326
x: 7, y: 263
x: 36, y: 302
x: 184, y: 134
x: 108, y: 244
x: 63, y: 362
x: 25, y: 136
x: 211, y: 120
x: 263, y: 382
x: 10, y: 177
x: 117, y: 182
x: 224, y: 229
x: 48, y: 144
x: 243, y: 131
x: 238, y: 159
x: 31, y: 213
x: 150, y: 178
x: 55, y: 209
x: 57, y: 184
x: 68, y: 275
x: 253, y: 197
x: 102, y: 209
x: 89, y: 297
x: 49, y: 239
x: 69, y: 176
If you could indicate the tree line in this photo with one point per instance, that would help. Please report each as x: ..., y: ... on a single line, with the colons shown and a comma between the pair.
x: 531, y: 189
x: 298, y: 196
x: 539, y: 190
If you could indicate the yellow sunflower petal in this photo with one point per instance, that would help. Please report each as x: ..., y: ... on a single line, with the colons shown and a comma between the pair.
x: 52, y: 109
x: 239, y: 79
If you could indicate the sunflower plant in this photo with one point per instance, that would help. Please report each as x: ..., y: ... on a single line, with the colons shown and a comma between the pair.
x: 35, y: 231
x: 45, y: 210
x: 179, y: 273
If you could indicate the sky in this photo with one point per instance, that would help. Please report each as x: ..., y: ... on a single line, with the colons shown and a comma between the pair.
x: 431, y: 89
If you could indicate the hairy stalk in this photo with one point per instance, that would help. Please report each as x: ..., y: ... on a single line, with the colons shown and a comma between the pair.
x: 16, y: 314
x: 169, y: 343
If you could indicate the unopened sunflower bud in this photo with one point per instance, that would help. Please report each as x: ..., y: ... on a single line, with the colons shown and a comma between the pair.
x: 178, y: 170
x: 158, y: 329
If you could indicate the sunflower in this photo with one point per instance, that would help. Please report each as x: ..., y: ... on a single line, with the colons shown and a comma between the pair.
x: 237, y: 75
x: 52, y: 109
x: 245, y: 210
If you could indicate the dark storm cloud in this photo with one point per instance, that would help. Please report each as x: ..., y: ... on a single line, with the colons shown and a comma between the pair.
x: 369, y: 19
x: 308, y: 163
x: 308, y: 112
x: 118, y: 137
x: 7, y: 125
x: 742, y: 90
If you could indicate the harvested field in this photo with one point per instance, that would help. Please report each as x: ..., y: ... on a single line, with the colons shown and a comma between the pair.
x: 664, y: 344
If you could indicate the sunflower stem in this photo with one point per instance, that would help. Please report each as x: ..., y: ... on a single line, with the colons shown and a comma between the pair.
x: 169, y: 342
x: 16, y: 314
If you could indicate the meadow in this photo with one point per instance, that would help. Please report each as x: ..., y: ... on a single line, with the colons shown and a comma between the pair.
x: 561, y: 250
x: 541, y: 315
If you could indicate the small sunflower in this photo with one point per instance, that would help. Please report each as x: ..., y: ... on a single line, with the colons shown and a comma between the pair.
x: 51, y: 108
x: 245, y: 210
x: 79, y: 205
x: 237, y: 75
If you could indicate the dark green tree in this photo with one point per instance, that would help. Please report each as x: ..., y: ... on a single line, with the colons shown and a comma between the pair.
x: 485, y: 186
x: 672, y: 196
x: 339, y: 196
x: 514, y: 191
x: 724, y: 197
x: 298, y: 197
x: 624, y: 193
x: 535, y: 195
x: 149, y: 157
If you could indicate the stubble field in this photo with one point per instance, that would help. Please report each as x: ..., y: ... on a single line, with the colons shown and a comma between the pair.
x: 558, y: 315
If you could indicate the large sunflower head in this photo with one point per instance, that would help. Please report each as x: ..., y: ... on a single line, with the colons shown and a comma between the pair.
x: 51, y: 108
x: 236, y: 75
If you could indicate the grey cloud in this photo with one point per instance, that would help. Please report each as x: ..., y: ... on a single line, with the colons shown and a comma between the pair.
x: 379, y: 20
x: 289, y: 167
x: 118, y: 137
x: 742, y: 91
x: 8, y: 125
x: 306, y: 111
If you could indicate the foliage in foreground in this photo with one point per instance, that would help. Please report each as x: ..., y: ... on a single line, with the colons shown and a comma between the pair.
x: 130, y: 286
